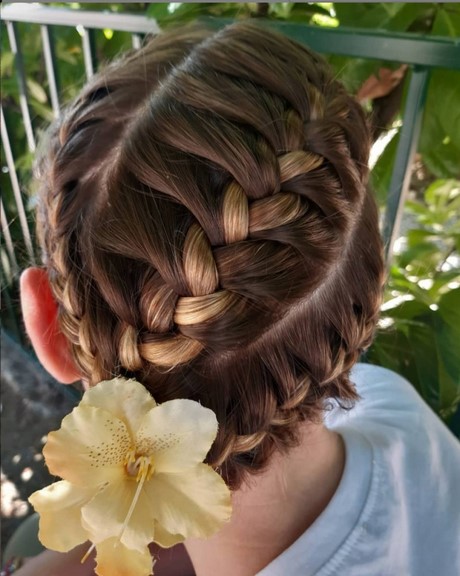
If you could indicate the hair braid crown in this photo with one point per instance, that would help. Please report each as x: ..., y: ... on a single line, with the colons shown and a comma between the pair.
x: 207, y: 228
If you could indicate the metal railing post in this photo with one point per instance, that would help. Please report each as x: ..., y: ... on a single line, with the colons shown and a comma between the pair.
x: 51, y: 69
x: 8, y: 240
x: 16, y: 189
x: 23, y: 101
x: 407, y: 147
x: 89, y: 52
x: 136, y: 40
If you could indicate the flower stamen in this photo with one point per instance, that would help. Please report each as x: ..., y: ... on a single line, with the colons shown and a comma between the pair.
x: 142, y: 468
x: 88, y: 552
x: 139, y: 466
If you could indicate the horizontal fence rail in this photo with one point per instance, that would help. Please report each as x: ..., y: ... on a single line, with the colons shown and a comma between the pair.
x: 421, y: 53
x: 33, y: 14
x: 411, y: 49
x: 432, y: 51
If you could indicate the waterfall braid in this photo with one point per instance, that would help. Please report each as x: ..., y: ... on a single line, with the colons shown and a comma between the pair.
x: 207, y: 229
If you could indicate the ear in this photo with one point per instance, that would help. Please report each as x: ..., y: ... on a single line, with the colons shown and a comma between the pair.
x: 39, y: 310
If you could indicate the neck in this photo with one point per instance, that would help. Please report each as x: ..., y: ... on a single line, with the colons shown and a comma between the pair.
x: 274, y: 508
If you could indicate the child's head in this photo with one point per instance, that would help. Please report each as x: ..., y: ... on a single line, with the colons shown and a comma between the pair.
x: 206, y: 228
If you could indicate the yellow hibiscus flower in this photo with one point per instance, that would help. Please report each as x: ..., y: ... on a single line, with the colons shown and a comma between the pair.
x: 133, y: 473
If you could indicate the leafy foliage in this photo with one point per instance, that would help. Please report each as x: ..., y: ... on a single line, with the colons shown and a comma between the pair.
x: 420, y: 325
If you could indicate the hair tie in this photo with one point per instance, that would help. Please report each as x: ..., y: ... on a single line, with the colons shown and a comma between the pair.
x: 133, y: 474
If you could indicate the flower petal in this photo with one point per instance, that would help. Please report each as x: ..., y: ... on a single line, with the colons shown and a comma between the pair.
x: 128, y: 400
x: 178, y: 433
x: 164, y: 538
x: 114, y: 559
x: 59, y: 506
x: 105, y: 515
x: 90, y: 447
x: 193, y: 504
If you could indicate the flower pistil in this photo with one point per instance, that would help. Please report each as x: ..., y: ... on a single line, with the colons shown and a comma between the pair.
x: 142, y: 467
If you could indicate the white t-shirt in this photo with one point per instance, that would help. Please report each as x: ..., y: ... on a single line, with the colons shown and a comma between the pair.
x: 396, y: 511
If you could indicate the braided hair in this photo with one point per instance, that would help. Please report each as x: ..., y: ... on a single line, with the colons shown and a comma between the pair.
x: 207, y: 228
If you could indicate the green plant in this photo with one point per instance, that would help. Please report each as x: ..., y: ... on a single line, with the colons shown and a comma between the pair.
x: 420, y: 325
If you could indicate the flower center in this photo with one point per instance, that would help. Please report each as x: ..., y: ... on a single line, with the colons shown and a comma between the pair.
x: 142, y: 467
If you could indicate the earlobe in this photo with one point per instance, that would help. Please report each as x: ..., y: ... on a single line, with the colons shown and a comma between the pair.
x: 39, y: 310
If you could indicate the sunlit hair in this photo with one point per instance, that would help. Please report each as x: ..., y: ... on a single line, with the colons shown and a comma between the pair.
x: 206, y: 225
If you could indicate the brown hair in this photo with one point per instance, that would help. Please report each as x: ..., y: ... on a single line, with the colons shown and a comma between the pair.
x: 207, y: 229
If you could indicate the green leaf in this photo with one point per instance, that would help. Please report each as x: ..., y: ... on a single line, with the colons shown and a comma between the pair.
x: 449, y: 309
x: 362, y: 15
x: 6, y: 64
x: 447, y: 21
x: 303, y: 11
x: 36, y: 91
x: 281, y: 10
x: 186, y: 11
x: 440, y: 159
x: 419, y: 253
x: 159, y: 11
x: 442, y: 284
x: 406, y: 15
x: 416, y: 207
x: 353, y: 71
x: 10, y: 88
x: 447, y: 330
x: 383, y: 169
x: 391, y: 349
x: 440, y: 136
x: 417, y: 236
x: 25, y: 161
x: 408, y: 310
x: 441, y: 193
x: 423, y: 344
x: 43, y: 111
x: 432, y: 341
x: 233, y: 10
x: 404, y: 286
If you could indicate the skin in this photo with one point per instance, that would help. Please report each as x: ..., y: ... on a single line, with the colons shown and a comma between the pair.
x: 270, y: 511
x: 274, y: 508
x: 55, y: 564
x: 173, y: 562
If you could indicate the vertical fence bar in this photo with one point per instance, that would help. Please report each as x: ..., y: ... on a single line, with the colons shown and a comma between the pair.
x: 88, y: 43
x: 23, y: 103
x: 51, y: 70
x: 407, y: 147
x: 136, y: 41
x: 7, y: 303
x: 16, y: 189
x: 8, y: 240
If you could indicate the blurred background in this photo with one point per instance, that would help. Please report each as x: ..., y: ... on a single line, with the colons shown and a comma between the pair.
x: 401, y: 60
